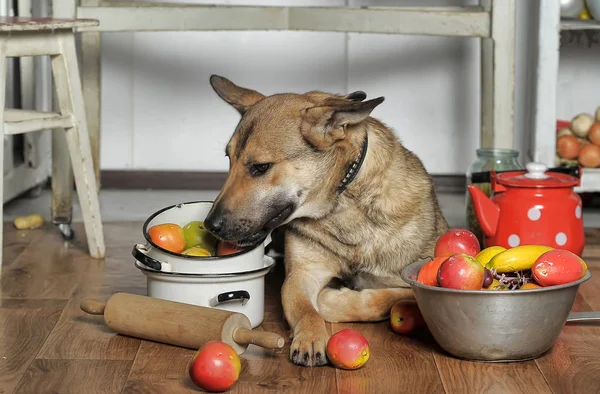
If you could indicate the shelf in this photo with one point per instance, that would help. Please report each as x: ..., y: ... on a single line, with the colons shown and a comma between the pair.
x: 576, y: 24
x: 437, y: 21
x: 590, y: 180
x: 18, y: 121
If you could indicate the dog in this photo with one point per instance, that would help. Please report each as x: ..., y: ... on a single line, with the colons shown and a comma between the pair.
x: 357, y: 206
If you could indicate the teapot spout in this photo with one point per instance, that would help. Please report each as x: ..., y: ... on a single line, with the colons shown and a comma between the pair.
x: 487, y: 211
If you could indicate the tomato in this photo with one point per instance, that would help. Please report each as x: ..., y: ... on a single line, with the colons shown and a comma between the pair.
x: 168, y: 236
x: 557, y: 267
x: 226, y: 248
x: 215, y: 367
x: 428, y: 272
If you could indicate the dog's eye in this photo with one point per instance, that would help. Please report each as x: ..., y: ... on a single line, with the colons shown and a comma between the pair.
x: 259, y: 169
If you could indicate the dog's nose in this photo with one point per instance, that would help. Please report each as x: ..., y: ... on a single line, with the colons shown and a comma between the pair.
x: 214, y: 221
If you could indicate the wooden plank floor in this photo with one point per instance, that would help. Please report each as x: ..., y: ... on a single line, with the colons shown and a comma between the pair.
x: 48, y: 345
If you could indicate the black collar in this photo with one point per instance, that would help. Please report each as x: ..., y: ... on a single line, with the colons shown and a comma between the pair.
x: 354, y: 167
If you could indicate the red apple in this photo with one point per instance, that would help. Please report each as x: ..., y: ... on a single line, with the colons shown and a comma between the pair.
x: 215, y: 367
x: 405, y: 317
x: 557, y: 267
x: 457, y: 241
x: 428, y: 272
x: 348, y: 349
x: 461, y: 271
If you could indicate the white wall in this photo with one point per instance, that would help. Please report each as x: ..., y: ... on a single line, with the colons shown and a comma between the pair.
x: 160, y: 113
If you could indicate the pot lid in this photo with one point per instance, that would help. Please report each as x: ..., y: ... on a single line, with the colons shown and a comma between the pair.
x: 536, y: 176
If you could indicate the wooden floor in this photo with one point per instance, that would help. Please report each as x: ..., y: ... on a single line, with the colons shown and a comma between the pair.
x: 48, y: 345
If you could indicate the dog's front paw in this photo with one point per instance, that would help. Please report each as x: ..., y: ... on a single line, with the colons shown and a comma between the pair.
x: 309, y: 346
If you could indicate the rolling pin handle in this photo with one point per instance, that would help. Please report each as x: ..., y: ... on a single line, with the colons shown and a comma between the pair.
x: 93, y: 307
x: 268, y: 340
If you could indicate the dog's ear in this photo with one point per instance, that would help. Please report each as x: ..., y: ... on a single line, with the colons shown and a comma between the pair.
x: 356, y: 96
x: 326, y: 123
x: 238, y: 97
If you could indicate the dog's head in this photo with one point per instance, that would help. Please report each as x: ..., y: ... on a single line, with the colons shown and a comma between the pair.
x: 287, y: 156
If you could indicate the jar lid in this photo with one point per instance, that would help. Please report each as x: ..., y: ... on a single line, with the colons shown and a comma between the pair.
x: 536, y: 176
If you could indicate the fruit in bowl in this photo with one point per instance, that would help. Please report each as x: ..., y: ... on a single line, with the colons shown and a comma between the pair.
x: 197, y: 235
x: 193, y: 239
x: 428, y: 275
x: 169, y: 236
x: 558, y: 267
x: 461, y: 271
x: 524, y: 267
x: 225, y: 248
x: 197, y: 251
x: 457, y: 241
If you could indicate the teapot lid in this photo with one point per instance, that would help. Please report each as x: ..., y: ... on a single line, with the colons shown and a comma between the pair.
x: 536, y: 176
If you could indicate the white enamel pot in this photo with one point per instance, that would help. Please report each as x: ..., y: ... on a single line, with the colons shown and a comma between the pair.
x: 159, y: 259
x: 234, y: 282
x: 242, y: 292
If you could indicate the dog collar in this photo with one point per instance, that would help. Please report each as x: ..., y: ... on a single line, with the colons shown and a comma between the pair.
x: 354, y: 167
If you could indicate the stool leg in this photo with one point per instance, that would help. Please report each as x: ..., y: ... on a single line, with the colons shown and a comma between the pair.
x: 70, y: 99
x: 62, y: 182
x: 2, y: 99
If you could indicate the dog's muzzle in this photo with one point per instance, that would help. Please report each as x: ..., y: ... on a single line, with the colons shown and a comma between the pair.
x: 224, y: 224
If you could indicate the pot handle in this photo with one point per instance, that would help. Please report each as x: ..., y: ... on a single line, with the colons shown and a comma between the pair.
x: 230, y: 296
x: 139, y: 255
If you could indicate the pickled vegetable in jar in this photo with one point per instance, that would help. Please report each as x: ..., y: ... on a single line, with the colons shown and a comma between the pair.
x: 488, y: 159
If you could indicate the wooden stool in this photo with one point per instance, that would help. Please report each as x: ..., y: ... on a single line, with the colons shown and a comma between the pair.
x: 20, y: 36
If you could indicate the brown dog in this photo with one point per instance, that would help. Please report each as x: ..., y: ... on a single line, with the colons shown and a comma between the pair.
x: 358, y: 205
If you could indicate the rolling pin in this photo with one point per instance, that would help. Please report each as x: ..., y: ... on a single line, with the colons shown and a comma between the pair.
x: 178, y: 324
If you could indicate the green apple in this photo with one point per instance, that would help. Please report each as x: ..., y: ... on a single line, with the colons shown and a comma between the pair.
x: 197, y: 235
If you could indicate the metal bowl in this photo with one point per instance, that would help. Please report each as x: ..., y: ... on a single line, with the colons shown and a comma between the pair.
x: 491, y: 325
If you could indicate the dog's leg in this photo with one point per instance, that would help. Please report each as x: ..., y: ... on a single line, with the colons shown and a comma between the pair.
x: 368, y: 305
x: 307, y: 274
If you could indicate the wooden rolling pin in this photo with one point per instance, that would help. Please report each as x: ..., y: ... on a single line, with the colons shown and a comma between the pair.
x: 179, y: 324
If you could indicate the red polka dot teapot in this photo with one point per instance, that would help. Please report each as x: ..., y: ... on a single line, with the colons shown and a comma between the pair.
x: 536, y: 206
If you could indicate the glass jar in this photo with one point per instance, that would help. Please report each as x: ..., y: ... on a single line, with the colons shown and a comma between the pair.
x: 488, y: 159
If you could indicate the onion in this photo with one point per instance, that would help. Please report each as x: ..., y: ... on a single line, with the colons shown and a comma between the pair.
x: 583, y: 142
x: 581, y: 124
x: 590, y: 156
x: 594, y: 133
x: 564, y: 131
x: 598, y: 114
x: 567, y: 147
